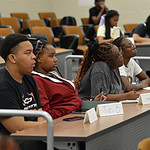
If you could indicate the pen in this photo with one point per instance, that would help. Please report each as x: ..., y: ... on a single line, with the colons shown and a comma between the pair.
x: 101, y: 90
x: 134, y: 91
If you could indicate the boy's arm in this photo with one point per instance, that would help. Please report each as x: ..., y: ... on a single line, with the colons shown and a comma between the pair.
x: 14, y: 124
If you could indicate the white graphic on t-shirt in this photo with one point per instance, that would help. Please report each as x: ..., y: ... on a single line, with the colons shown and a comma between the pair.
x: 27, y: 100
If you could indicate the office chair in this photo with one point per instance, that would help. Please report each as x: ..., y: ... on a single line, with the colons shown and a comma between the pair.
x: 47, y: 31
x: 144, y: 144
x: 35, y: 22
x: 85, y: 20
x: 51, y: 15
x: 129, y: 27
x: 6, y: 31
x: 22, y: 16
x: 68, y: 21
x: 70, y: 42
x: 77, y: 30
x: 89, y: 31
x: 12, y: 21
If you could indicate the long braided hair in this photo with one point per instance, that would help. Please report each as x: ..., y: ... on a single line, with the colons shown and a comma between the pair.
x: 108, y: 16
x: 95, y: 52
x: 119, y: 42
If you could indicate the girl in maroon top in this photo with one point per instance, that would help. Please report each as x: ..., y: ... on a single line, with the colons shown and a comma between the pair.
x: 58, y: 96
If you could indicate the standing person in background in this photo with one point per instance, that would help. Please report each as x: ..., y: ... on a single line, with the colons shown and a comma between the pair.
x: 142, y: 32
x: 130, y: 68
x: 18, y: 89
x: 97, y: 11
x: 109, y: 31
x: 99, y: 69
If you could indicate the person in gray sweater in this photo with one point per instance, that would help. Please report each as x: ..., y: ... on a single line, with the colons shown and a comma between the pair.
x: 99, y: 69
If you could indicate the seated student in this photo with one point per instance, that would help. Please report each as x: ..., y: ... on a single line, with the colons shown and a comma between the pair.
x: 58, y: 95
x: 99, y: 69
x: 130, y: 68
x: 142, y: 32
x: 96, y: 12
x: 110, y: 31
x: 18, y: 89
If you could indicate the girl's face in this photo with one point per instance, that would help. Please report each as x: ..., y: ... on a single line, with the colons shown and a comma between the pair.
x: 47, y: 59
x: 113, y: 21
x: 129, y: 50
x: 116, y: 59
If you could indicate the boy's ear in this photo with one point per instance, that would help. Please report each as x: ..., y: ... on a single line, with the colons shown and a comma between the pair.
x: 12, y: 58
x: 38, y: 59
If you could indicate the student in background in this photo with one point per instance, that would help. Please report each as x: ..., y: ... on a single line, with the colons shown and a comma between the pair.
x: 130, y: 68
x: 142, y: 32
x: 109, y: 31
x: 18, y: 89
x: 99, y: 69
x: 58, y: 95
x: 97, y: 11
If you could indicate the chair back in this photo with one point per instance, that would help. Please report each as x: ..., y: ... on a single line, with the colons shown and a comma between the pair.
x: 23, y: 16
x: 51, y: 15
x: 44, y: 30
x: 85, y: 20
x: 144, y: 144
x: 129, y: 27
x: 11, y: 21
x: 70, y: 30
x: 6, y: 31
x: 35, y: 22
x: 58, y: 20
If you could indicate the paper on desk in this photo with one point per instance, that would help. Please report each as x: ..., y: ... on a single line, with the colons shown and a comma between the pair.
x: 130, y: 101
x: 147, y: 88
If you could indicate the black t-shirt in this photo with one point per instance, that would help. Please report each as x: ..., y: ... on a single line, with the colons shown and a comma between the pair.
x: 14, y: 95
x: 94, y: 11
x: 140, y: 30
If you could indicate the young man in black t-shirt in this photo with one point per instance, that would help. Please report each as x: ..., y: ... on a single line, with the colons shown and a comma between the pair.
x: 96, y: 12
x: 17, y: 88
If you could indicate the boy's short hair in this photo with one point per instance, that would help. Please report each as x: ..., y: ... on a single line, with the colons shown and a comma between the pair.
x: 10, y: 42
x: 99, y: 1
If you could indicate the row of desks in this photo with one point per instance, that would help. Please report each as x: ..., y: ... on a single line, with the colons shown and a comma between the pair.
x: 120, y: 132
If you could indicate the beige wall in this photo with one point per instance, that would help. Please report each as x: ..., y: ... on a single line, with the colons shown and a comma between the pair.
x: 131, y: 11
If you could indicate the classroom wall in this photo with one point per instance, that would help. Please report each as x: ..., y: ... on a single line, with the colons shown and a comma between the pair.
x: 134, y: 11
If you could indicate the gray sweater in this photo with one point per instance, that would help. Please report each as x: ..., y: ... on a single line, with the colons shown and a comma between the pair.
x: 99, y: 76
